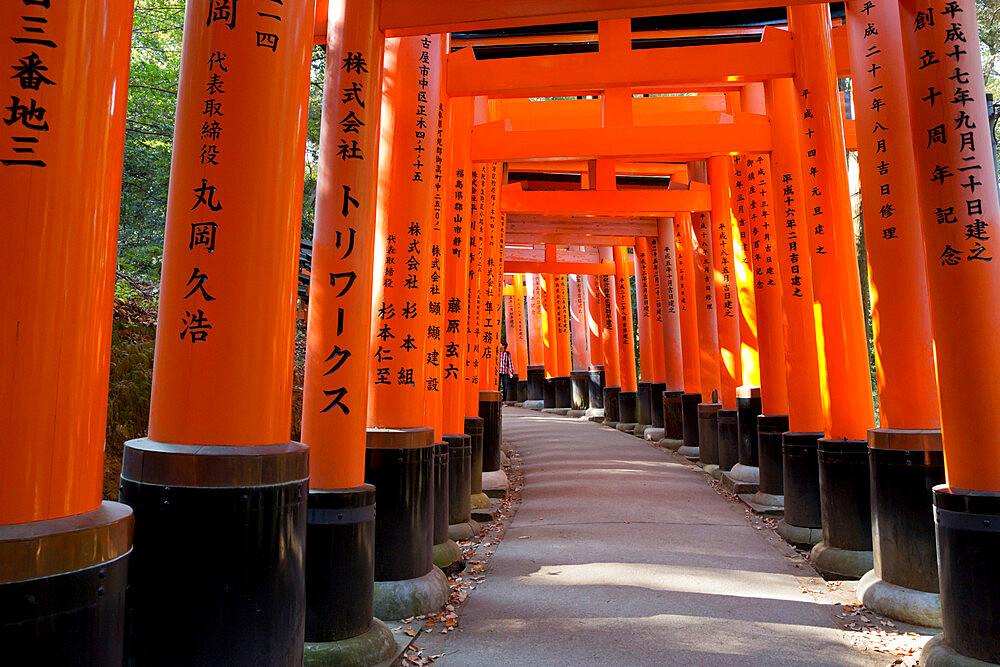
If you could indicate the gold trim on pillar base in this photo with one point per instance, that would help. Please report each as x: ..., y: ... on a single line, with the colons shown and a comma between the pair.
x: 55, y: 546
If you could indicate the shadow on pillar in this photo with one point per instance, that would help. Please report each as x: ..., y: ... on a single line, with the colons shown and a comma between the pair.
x: 595, y: 392
x: 905, y: 466
x: 340, y: 579
x: 803, y: 521
x: 489, y: 412
x: 968, y: 547
x: 400, y: 463
x: 460, y: 523
x: 611, y: 406
x: 446, y: 553
x: 689, y: 421
x: 563, y: 393
x: 845, y: 501
x: 728, y: 440
x: 549, y: 392
x: 535, y: 384
x: 522, y: 391
x: 643, y: 407
x: 62, y: 588
x: 510, y: 389
x: 242, y: 510
x: 474, y: 429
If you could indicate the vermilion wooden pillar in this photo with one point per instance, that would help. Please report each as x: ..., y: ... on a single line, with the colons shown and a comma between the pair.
x: 727, y: 311
x: 521, y: 338
x: 685, y: 243
x: 220, y: 408
x: 627, y: 407
x: 903, y: 531
x: 846, y: 546
x: 579, y: 373
x: 65, y: 95
x: 491, y: 286
x: 959, y: 214
x: 641, y: 260
x: 400, y: 449
x: 792, y: 454
x: 668, y: 265
x: 335, y: 390
x: 658, y: 384
x: 595, y: 332
x: 536, y: 341
x: 609, y: 342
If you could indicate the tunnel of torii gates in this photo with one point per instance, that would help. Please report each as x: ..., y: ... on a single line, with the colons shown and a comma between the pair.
x: 463, y: 159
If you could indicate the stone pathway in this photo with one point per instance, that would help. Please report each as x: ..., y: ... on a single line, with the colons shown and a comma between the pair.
x: 621, y: 554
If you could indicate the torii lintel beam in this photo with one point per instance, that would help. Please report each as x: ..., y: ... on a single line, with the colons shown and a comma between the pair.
x: 535, y: 76
x: 613, y: 203
x: 561, y: 268
x: 746, y: 134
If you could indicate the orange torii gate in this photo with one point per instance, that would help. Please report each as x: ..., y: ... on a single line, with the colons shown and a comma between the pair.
x: 218, y: 464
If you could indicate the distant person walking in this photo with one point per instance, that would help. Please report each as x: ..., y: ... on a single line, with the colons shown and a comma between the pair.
x: 506, y: 369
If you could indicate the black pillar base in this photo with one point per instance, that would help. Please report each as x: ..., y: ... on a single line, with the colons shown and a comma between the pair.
x: 673, y: 415
x: 905, y: 467
x: 580, y: 394
x: 968, y: 548
x: 510, y: 389
x: 217, y: 573
x: 728, y: 439
x: 441, y: 492
x: 549, y: 393
x: 769, y: 431
x: 340, y: 563
x: 400, y: 463
x: 708, y: 434
x: 564, y: 392
x: 845, y: 502
x: 62, y: 588
x: 522, y: 391
x: 800, y: 479
x: 536, y: 381
x: 644, y: 403
x: 656, y: 390
x: 595, y: 387
x: 627, y: 407
x: 459, y: 478
x: 748, y: 408
x: 611, y: 405
x: 689, y: 417
x: 474, y: 429
x: 489, y: 411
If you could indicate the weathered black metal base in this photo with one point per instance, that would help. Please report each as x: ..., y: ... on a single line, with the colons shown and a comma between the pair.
x: 727, y: 439
x: 845, y: 504
x: 656, y: 390
x: 564, y: 392
x: 673, y: 415
x: 968, y: 548
x: 459, y: 478
x: 748, y: 409
x: 627, y: 410
x: 440, y: 492
x: 905, y: 467
x: 400, y: 463
x: 489, y: 411
x: 217, y: 574
x: 522, y: 391
x: 62, y: 588
x: 611, y: 405
x: 580, y: 386
x: 708, y: 433
x: 689, y: 418
x: 474, y: 429
x: 643, y: 404
x: 536, y: 382
x: 800, y: 479
x: 549, y: 393
x: 769, y: 431
x: 510, y: 389
x: 595, y: 387
x: 340, y: 563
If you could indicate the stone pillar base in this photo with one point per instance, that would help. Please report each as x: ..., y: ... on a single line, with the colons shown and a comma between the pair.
x: 411, y: 597
x: 375, y: 646
x: 840, y: 564
x: 903, y: 604
x: 800, y: 536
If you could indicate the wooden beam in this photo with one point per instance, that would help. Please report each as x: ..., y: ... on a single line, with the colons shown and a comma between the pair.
x: 554, y: 224
x: 525, y: 114
x: 569, y: 238
x: 562, y: 255
x: 612, y: 203
x: 538, y: 76
x: 415, y: 17
x: 746, y: 133
x: 579, y: 268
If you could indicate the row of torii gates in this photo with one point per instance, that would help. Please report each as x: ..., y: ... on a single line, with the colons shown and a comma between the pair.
x: 716, y: 153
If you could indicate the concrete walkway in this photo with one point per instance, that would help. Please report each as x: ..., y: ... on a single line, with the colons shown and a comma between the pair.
x: 622, y: 555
